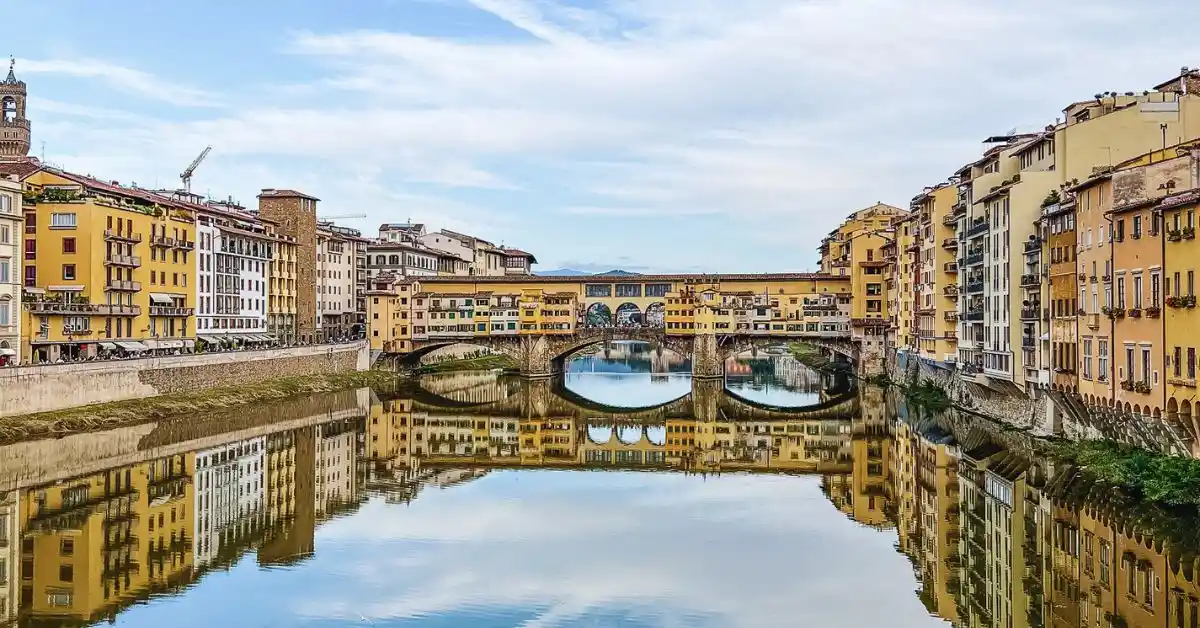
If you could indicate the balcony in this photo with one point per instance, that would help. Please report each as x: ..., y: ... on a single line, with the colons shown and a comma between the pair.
x: 951, y: 317
x: 978, y: 228
x: 950, y: 267
x: 105, y: 309
x: 1029, y: 313
x: 186, y: 245
x: 973, y: 315
x: 950, y: 291
x: 1188, y: 382
x: 950, y: 243
x: 1033, y: 246
x: 170, y: 310
x: 121, y: 285
x: 951, y: 335
x: 974, y: 259
x: 130, y: 261
x: 950, y: 220
x: 840, y: 263
x: 117, y: 236
x: 974, y: 286
x: 162, y: 241
x: 1029, y: 342
x: 1031, y: 280
x: 73, y: 307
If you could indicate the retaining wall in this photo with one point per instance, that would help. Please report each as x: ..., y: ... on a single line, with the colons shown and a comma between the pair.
x: 28, y: 389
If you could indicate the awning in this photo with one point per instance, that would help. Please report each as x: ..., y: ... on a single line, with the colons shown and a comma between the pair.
x: 170, y: 344
x: 190, y: 344
x: 258, y: 338
x: 7, y: 351
x: 108, y: 346
x: 131, y: 345
x: 66, y: 288
x: 161, y: 299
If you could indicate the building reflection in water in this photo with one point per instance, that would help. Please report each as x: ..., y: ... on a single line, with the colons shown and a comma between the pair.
x: 993, y: 538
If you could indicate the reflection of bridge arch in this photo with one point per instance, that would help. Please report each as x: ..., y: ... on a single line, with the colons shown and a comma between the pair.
x: 547, y: 398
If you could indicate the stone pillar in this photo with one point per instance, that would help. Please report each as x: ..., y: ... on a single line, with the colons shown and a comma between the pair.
x: 706, y: 357
x: 535, y: 358
x: 706, y: 398
x: 535, y: 397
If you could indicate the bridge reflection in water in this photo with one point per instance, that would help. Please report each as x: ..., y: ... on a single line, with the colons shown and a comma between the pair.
x: 94, y: 525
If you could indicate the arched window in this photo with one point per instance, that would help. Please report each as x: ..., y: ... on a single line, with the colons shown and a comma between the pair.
x: 8, y: 107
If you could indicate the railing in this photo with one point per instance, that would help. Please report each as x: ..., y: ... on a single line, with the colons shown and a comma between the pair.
x: 950, y: 267
x: 1033, y: 246
x: 950, y: 291
x: 186, y: 245
x: 170, y: 310
x: 974, y: 286
x: 974, y: 259
x: 973, y: 315
x: 1028, y: 343
x: 950, y: 220
x: 950, y: 243
x: 1029, y: 314
x: 110, y: 234
x: 978, y: 228
x: 951, y: 316
x: 162, y: 241
x: 55, y: 307
x: 951, y: 335
x: 1031, y: 280
x: 123, y: 260
x: 121, y: 284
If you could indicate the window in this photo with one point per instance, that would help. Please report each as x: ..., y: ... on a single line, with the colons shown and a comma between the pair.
x: 1137, y: 291
x: 1191, y: 363
x: 1102, y: 361
x: 1087, y: 358
x: 1155, y: 289
x: 31, y: 249
x: 62, y: 221
x: 1121, y: 293
x: 5, y: 204
x: 68, y: 245
x: 1145, y: 365
x: 5, y: 234
x: 5, y: 315
x: 1177, y: 361
x: 68, y: 272
x: 1129, y: 364
x: 5, y: 269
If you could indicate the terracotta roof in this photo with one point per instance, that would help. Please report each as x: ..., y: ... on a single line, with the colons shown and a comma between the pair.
x: 21, y: 168
x: 1186, y: 197
x: 508, y: 252
x: 284, y: 193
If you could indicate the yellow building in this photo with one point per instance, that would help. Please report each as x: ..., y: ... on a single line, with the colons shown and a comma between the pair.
x: 281, y: 286
x: 99, y: 543
x: 936, y: 274
x: 107, y: 268
x: 902, y: 254
x: 1090, y: 201
x: 388, y: 311
x: 855, y: 250
x: 1182, y: 341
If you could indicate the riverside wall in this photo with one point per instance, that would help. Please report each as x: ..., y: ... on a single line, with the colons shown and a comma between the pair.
x: 1048, y: 413
x: 43, y: 388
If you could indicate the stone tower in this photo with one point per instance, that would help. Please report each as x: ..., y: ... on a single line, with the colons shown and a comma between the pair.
x: 14, y: 127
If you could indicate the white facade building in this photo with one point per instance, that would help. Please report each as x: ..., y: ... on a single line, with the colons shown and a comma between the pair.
x: 337, y: 448
x: 230, y: 495
x: 233, y: 267
x: 337, y: 282
x: 11, y: 278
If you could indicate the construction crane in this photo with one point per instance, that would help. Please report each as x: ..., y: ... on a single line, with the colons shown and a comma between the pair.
x: 342, y: 217
x: 186, y: 176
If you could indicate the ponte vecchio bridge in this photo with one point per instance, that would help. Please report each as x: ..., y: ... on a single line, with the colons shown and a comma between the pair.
x: 540, y: 321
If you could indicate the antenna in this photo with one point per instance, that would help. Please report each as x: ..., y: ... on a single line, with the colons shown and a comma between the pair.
x: 186, y: 176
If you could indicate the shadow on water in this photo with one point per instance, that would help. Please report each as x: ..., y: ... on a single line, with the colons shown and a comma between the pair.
x: 436, y: 497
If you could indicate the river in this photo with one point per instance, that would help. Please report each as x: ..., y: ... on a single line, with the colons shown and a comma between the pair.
x: 622, y: 494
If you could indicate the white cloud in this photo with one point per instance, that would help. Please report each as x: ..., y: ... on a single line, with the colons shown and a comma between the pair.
x: 123, y: 78
x: 769, y: 116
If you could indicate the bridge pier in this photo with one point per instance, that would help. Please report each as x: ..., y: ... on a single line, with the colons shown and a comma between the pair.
x: 707, y: 360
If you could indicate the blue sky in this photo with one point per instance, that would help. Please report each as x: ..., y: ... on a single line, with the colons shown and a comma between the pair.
x: 670, y: 135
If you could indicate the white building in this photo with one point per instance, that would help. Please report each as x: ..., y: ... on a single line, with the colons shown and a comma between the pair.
x: 401, y: 260
x: 230, y: 495
x: 10, y: 557
x: 336, y: 458
x: 11, y: 222
x: 233, y: 268
x: 337, y: 282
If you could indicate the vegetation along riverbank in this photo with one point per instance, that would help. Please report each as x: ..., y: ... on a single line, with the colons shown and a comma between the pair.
x: 109, y: 415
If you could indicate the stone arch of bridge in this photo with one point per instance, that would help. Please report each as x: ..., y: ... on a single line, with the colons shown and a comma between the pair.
x: 563, y: 349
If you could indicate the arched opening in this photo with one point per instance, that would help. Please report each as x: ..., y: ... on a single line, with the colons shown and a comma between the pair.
x: 8, y: 109
x: 1157, y: 413
x: 629, y: 434
x: 629, y: 315
x: 1128, y: 407
x: 1137, y: 408
x: 657, y: 435
x: 598, y: 315
x: 1172, y: 406
x: 656, y: 315
x: 1185, y: 408
x: 599, y: 434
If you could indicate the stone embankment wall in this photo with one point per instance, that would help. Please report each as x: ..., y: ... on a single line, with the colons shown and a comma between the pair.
x: 29, y: 389
x: 1046, y: 413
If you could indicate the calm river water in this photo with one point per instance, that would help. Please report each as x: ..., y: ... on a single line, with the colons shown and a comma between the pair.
x: 621, y: 495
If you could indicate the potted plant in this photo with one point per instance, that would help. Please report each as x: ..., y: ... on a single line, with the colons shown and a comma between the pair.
x: 1135, y: 313
x: 1174, y: 301
x: 1174, y: 235
x: 1189, y: 233
x: 1153, y: 311
x: 1189, y: 301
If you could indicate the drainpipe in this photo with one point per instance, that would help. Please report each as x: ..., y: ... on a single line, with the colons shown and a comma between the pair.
x: 1112, y: 322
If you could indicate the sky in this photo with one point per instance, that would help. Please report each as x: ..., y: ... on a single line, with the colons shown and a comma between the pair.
x: 573, y: 549
x: 648, y: 135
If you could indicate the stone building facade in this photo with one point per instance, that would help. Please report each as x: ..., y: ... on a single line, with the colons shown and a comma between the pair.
x: 295, y: 216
